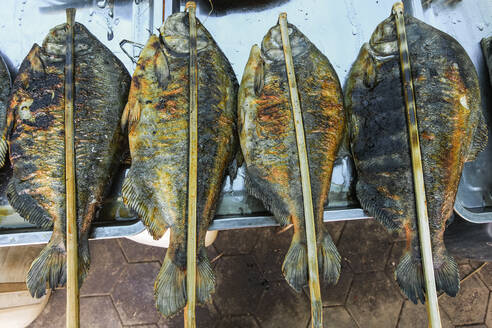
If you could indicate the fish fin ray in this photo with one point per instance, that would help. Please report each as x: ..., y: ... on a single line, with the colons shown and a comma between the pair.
x: 205, y: 280
x: 143, y: 207
x: 170, y: 288
x: 479, y: 141
x: 281, y: 216
x: 295, y: 266
x: 49, y: 266
x: 328, y: 260
x: 4, y: 147
x: 373, y: 210
x: 259, y: 80
x: 27, y: 207
x: 410, y: 278
x: 447, y: 276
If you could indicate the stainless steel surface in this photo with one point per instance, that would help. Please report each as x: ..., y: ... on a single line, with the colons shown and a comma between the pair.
x: 338, y: 28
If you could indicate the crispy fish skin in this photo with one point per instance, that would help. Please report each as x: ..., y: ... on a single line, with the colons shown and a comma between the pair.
x: 268, y: 142
x: 36, y: 139
x: 157, y: 115
x: 5, y: 87
x: 451, y: 130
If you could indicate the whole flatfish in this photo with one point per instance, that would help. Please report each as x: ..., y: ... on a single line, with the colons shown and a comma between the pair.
x: 268, y: 142
x: 35, y: 134
x: 157, y: 115
x: 5, y: 86
x: 451, y: 130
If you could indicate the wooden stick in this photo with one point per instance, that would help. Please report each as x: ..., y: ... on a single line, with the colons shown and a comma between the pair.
x: 314, y: 289
x: 192, y: 174
x: 71, y: 209
x: 418, y: 174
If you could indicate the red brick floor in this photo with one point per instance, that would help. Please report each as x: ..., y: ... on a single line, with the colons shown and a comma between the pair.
x: 251, y: 292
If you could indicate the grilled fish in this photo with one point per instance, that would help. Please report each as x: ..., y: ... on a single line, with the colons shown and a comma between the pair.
x: 451, y: 130
x: 269, y: 146
x: 35, y: 134
x: 157, y: 117
x: 5, y: 86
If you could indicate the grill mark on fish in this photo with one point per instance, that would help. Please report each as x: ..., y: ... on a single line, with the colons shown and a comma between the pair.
x: 36, y: 139
x: 450, y: 128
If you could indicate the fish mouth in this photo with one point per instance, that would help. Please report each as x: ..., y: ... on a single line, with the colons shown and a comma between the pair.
x: 175, y: 34
x: 377, y: 50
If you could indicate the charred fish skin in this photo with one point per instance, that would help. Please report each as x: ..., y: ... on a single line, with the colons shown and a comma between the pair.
x: 268, y: 142
x: 36, y: 139
x: 5, y: 87
x: 157, y: 115
x: 451, y: 130
x: 487, y: 53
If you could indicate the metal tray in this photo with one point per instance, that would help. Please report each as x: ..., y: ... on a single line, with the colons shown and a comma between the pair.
x: 337, y: 28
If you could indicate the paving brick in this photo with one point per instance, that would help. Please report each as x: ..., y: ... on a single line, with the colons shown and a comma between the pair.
x: 95, y: 312
x: 469, y: 306
x: 98, y: 312
x: 336, y: 294
x: 464, y: 269
x: 394, y: 258
x: 239, y: 285
x: 488, y: 318
x: 236, y: 242
x: 133, y: 294
x: 337, y: 317
x: 415, y: 315
x: 238, y: 322
x: 374, y: 300
x: 366, y: 245
x: 144, y: 326
x: 136, y: 252
x: 486, y: 275
x: 107, y: 263
x: 206, y: 316
x: 281, y: 306
x: 270, y: 251
x: 335, y: 229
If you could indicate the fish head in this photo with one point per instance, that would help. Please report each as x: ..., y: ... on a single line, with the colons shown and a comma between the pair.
x: 56, y: 40
x: 272, y: 43
x: 175, y: 33
x: 384, y: 40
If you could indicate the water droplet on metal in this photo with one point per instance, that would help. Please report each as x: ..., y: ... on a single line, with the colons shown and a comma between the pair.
x: 92, y: 13
x: 110, y: 34
x: 116, y: 21
x: 101, y: 3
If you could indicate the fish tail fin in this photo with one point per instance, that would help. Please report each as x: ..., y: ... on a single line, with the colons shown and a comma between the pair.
x: 447, y: 274
x: 49, y: 266
x: 295, y: 265
x: 170, y: 288
x: 205, y: 280
x: 84, y: 260
x: 143, y: 207
x: 409, y: 276
x: 4, y: 147
x: 328, y: 260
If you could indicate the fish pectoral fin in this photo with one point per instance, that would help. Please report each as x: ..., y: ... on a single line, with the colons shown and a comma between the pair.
x: 27, y: 207
x: 143, y: 206
x: 479, y: 141
x: 4, y: 147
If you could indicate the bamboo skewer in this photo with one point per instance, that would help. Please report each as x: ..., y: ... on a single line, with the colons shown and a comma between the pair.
x: 314, y: 288
x: 72, y: 316
x: 192, y: 173
x: 418, y: 175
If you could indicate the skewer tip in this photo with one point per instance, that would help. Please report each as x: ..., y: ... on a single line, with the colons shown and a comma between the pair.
x: 282, y: 16
x: 398, y: 8
x: 70, y: 15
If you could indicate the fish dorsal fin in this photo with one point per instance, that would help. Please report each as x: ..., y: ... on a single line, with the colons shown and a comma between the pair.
x: 479, y: 141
